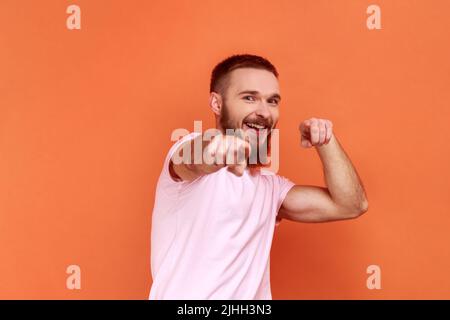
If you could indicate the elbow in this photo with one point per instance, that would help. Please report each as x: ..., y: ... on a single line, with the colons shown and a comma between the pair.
x: 365, y: 206
x: 357, y: 210
x: 361, y: 208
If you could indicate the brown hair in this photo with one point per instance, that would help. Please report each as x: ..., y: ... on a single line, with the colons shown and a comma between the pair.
x: 220, y: 72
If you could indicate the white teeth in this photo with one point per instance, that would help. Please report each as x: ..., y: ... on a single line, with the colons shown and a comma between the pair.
x: 254, y: 125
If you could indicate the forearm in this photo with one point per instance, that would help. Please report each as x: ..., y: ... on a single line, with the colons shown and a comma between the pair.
x: 193, y: 164
x: 341, y: 178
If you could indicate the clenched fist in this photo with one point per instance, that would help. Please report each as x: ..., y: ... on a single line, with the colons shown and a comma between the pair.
x: 315, y: 132
x: 229, y: 151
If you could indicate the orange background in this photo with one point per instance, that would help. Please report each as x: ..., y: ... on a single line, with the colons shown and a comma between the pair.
x: 86, y: 117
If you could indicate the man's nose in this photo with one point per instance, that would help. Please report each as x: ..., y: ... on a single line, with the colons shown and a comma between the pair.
x: 263, y: 110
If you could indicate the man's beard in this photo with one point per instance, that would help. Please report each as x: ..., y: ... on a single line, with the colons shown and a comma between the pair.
x: 259, y: 157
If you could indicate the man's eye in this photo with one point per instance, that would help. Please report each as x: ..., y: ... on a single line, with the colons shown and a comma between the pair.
x: 273, y: 101
x: 251, y: 98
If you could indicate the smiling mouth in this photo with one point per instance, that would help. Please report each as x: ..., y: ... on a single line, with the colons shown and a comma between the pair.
x: 250, y: 125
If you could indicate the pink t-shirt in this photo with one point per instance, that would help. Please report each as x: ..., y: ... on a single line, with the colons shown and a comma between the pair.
x: 211, y: 237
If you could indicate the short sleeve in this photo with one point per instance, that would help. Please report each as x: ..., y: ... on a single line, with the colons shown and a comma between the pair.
x: 166, y: 182
x: 284, y: 185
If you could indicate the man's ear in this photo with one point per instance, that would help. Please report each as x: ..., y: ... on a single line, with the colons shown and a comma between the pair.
x: 215, y: 102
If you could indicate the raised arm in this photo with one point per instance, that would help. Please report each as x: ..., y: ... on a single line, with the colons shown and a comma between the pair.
x: 342, y: 198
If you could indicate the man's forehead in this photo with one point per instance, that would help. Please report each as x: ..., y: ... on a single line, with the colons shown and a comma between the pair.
x: 246, y: 79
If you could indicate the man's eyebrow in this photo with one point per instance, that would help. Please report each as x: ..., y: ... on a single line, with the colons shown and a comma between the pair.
x: 275, y: 95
